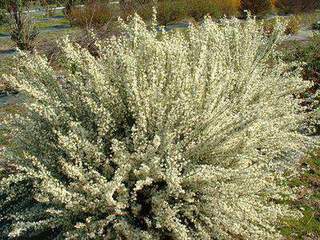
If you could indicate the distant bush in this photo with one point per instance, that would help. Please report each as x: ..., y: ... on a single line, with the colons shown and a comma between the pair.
x: 22, y: 29
x: 309, y: 54
x: 163, y: 136
x: 134, y: 4
x: 255, y: 7
x: 176, y: 10
x: 296, y: 6
x: 93, y: 14
x: 24, y: 32
x: 4, y: 18
x: 227, y: 7
x: 316, y: 26
x: 293, y: 25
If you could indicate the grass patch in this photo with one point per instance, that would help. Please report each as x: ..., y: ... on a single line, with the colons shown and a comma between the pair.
x: 41, y: 25
x: 51, y: 23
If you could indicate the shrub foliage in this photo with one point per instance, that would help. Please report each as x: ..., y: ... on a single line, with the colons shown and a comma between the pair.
x: 309, y: 54
x: 256, y: 7
x: 170, y: 11
x: 165, y: 135
x: 295, y: 6
x: 92, y: 15
x: 22, y: 29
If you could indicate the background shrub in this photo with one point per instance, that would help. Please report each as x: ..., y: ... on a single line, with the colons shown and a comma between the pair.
x: 23, y: 32
x: 308, y: 52
x: 293, y: 24
x: 179, y: 10
x: 316, y: 26
x: 198, y: 9
x: 93, y: 14
x: 22, y: 29
x: 227, y: 7
x: 256, y: 7
x: 4, y: 18
x: 295, y: 6
x: 163, y: 136
x: 167, y: 11
x: 135, y: 4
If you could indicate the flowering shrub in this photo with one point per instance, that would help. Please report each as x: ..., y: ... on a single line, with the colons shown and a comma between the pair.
x: 165, y: 135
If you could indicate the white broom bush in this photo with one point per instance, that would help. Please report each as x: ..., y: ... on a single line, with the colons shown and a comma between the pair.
x: 165, y: 135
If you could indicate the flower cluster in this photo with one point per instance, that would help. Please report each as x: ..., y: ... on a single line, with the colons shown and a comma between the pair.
x: 166, y: 135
